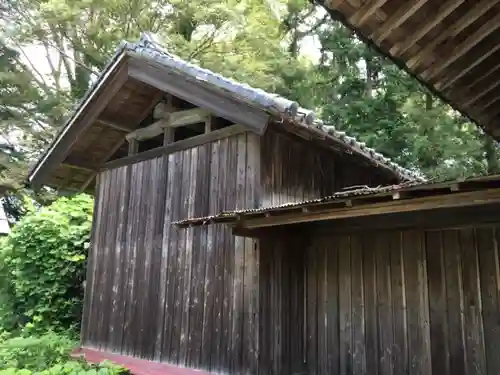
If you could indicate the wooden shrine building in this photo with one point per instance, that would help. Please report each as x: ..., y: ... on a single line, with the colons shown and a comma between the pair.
x: 230, y: 235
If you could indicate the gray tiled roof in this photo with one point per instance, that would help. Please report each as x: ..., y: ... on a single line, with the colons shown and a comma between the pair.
x: 148, y: 48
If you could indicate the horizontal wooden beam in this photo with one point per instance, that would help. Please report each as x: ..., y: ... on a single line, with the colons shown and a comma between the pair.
x: 187, y: 117
x: 171, y: 120
x: 201, y: 94
x: 444, y: 11
x: 390, y: 207
x: 177, y: 146
x: 397, y: 19
x: 447, y: 218
x: 460, y: 24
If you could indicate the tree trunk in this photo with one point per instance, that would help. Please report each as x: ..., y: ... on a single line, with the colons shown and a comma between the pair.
x: 490, y: 147
x: 429, y: 100
x: 369, y: 77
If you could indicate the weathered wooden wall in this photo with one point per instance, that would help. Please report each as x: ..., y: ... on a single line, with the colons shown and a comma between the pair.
x: 295, y: 170
x: 297, y: 302
x: 382, y: 303
x: 184, y: 296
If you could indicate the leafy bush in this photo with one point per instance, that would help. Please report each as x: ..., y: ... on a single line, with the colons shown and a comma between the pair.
x: 45, y: 258
x: 7, y: 318
x: 35, y: 353
x: 70, y: 368
x: 47, y: 354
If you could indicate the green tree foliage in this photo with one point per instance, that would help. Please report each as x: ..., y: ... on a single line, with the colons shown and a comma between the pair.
x: 380, y: 104
x: 44, y: 261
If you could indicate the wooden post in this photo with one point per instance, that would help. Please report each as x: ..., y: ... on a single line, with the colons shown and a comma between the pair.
x: 208, y: 124
x: 168, y: 135
x: 133, y: 146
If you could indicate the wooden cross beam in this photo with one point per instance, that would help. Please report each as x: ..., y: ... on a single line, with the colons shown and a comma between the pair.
x: 171, y: 120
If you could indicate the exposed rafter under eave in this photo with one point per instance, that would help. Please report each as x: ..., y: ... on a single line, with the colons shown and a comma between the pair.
x: 452, y: 47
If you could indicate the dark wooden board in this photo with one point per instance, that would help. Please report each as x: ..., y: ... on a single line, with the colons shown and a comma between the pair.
x: 473, y: 322
x: 454, y: 296
x: 304, y: 299
x: 437, y: 302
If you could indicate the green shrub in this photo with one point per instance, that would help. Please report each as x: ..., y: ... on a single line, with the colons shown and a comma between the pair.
x: 47, y: 354
x: 70, y: 368
x: 35, y: 353
x: 45, y: 258
x: 7, y: 317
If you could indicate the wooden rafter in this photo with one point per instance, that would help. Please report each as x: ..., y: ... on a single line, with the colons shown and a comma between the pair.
x: 484, y: 106
x: 396, y: 20
x: 484, y: 90
x: 365, y: 12
x: 444, y: 11
x: 79, y: 167
x: 481, y: 79
x: 156, y: 98
x: 113, y: 125
x: 473, y: 63
x: 493, y: 118
x: 76, y: 163
x: 482, y: 83
x: 464, y: 47
x: 459, y: 25
x: 477, y: 11
x: 333, y: 4
x: 111, y: 152
x: 154, y: 101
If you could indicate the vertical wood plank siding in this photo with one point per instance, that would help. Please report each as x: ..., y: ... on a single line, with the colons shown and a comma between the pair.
x: 184, y: 296
x: 387, y: 303
x: 296, y: 301
x: 293, y: 170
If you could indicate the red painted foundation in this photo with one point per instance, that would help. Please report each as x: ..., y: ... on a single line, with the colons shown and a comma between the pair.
x: 134, y: 365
